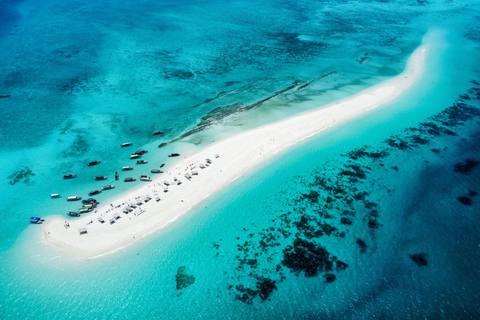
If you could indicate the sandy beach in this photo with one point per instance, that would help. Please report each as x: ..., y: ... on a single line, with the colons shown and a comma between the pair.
x: 237, y: 155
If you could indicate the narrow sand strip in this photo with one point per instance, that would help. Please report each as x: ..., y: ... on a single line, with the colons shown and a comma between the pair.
x: 237, y: 155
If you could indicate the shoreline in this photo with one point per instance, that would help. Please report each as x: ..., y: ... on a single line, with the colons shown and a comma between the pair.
x: 238, y: 155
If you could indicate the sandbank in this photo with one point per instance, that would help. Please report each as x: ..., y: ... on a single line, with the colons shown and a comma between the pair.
x: 237, y: 155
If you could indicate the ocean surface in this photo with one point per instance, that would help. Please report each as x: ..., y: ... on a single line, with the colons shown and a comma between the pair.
x: 376, y: 218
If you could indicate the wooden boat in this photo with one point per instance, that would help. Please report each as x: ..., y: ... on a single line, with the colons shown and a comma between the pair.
x: 129, y: 179
x: 126, y: 144
x: 127, y: 168
x: 91, y: 193
x: 156, y: 171
x: 141, y: 161
x: 145, y: 178
x: 100, y: 178
x: 157, y: 133
x: 140, y: 152
x: 90, y: 201
x: 73, y: 214
x: 69, y: 176
x: 93, y: 163
x: 162, y: 165
x: 110, y: 186
x: 174, y: 154
x: 55, y: 195
x: 163, y: 144
x: 135, y: 156
x: 116, y: 175
x: 73, y: 198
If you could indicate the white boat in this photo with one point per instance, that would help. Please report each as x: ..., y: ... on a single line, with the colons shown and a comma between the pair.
x: 55, y: 195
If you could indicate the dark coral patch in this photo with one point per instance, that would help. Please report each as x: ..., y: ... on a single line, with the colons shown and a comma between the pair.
x: 307, y: 256
x: 466, y: 167
x: 363, y: 246
x: 329, y: 277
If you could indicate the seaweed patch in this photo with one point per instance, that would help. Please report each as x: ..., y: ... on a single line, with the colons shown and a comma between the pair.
x: 24, y: 174
x: 183, y: 279
x: 335, y: 202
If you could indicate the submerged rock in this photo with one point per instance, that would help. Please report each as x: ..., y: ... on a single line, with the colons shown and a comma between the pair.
x: 420, y: 259
x: 465, y: 200
x: 183, y: 279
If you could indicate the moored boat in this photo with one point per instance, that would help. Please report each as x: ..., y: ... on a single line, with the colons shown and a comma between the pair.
x: 93, y: 163
x: 135, y: 156
x: 90, y: 201
x: 127, y: 168
x: 73, y: 198
x: 110, y: 186
x: 129, y: 179
x: 36, y: 220
x: 69, y: 176
x: 157, y: 132
x: 126, y: 144
x: 141, y: 161
x: 84, y: 210
x: 156, y: 171
x: 55, y: 195
x: 73, y: 214
x: 174, y: 154
x: 91, y: 193
x: 116, y: 175
x: 100, y: 178
x: 140, y: 152
x: 162, y: 165
x: 163, y: 144
x: 145, y: 178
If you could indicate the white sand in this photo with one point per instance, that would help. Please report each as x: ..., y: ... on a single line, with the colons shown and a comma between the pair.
x: 237, y: 155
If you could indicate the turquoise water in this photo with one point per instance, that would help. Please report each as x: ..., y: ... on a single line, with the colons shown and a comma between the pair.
x: 83, y: 78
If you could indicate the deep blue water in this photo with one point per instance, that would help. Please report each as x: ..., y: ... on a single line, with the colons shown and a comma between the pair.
x: 84, y: 77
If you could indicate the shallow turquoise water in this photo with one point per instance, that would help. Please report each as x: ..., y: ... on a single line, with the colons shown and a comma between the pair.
x: 147, y: 66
